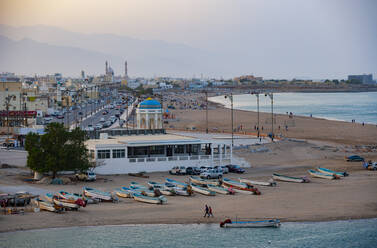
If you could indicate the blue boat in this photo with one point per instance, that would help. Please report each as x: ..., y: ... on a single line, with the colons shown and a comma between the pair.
x: 176, y: 183
x: 228, y: 223
x: 331, y: 172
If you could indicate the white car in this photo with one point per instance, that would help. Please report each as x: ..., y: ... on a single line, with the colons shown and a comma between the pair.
x: 98, y: 126
x: 210, y: 174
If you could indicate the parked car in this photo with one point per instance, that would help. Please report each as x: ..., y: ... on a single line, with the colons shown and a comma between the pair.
x: 102, y: 119
x: 87, y: 176
x: 193, y: 171
x: 370, y: 165
x: 235, y: 168
x: 211, y: 174
x: 223, y: 169
x: 60, y: 116
x: 107, y: 124
x: 355, y: 158
x: 178, y: 170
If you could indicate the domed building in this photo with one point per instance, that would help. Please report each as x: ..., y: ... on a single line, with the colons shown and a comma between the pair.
x: 149, y: 114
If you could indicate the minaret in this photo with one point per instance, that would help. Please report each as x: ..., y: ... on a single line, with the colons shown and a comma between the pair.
x: 125, y: 70
x: 107, y: 68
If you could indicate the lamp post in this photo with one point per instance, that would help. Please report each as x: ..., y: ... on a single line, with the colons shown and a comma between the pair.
x: 206, y: 92
x: 7, y: 104
x: 257, y: 95
x: 231, y: 107
x: 271, y: 95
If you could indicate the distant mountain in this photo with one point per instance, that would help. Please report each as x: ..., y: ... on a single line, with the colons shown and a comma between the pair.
x: 43, y: 49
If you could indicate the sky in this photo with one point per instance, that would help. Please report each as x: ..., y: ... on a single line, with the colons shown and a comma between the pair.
x: 342, y: 31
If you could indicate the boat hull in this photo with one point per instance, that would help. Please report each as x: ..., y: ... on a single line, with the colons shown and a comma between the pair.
x: 219, y: 190
x: 200, y: 181
x: 289, y: 179
x: 242, y: 191
x: 251, y: 182
x: 151, y: 200
x: 322, y: 175
x: 330, y: 172
x: 251, y: 224
x: 202, y: 191
x: 97, y: 194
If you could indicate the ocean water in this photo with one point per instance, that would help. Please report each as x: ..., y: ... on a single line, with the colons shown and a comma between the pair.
x: 361, y: 106
x: 335, y: 234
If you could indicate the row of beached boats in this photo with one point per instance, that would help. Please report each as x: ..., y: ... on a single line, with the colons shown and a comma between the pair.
x: 320, y: 173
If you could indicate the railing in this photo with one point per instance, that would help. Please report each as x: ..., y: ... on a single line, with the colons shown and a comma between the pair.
x: 216, y: 157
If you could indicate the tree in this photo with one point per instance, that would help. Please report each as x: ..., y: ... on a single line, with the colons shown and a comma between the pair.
x: 57, y: 150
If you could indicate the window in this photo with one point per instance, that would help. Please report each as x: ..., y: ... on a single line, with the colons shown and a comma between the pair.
x: 179, y: 149
x: 103, y: 154
x: 119, y: 153
x: 157, y: 150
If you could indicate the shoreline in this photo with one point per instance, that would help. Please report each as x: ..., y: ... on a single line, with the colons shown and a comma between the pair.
x: 223, y: 105
x: 183, y: 223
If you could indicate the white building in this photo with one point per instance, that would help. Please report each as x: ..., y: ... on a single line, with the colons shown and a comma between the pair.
x: 149, y: 114
x: 158, y: 152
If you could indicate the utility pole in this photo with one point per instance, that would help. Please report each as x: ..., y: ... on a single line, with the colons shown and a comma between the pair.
x: 231, y: 107
x: 257, y: 95
x: 7, y: 104
x: 271, y: 95
x: 206, y: 92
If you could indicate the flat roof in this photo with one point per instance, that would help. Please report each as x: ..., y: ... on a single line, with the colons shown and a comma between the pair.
x: 145, y: 140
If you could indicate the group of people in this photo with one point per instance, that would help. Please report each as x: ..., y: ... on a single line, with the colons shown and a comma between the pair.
x: 208, y: 211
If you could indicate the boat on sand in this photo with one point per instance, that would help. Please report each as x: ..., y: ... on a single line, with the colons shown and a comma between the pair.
x: 176, y: 183
x: 331, y: 172
x: 47, y: 206
x: 201, y: 190
x: 98, y: 194
x: 323, y: 175
x: 205, y: 182
x: 220, y: 190
x: 148, y: 199
x: 239, y: 187
x: 252, y: 182
x: 290, y: 179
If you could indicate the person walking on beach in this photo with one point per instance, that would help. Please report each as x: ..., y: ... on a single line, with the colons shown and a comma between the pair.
x: 206, y: 212
x: 210, y: 212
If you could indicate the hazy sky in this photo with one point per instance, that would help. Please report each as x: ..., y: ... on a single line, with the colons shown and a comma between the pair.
x: 295, y: 30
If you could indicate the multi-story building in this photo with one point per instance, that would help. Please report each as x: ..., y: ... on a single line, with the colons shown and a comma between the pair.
x: 364, y: 79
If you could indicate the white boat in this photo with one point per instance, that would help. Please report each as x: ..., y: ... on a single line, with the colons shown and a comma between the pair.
x: 163, y: 189
x: 252, y: 182
x: 250, y: 224
x: 144, y: 191
x: 205, y: 182
x: 290, y: 179
x: 323, y: 175
x: 240, y: 187
x: 148, y: 199
x: 179, y: 190
x: 219, y: 190
x: 98, y: 194
x: 71, y: 204
x: 201, y: 190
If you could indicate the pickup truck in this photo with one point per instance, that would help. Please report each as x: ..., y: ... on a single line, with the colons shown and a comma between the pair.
x: 87, y: 176
x: 178, y: 170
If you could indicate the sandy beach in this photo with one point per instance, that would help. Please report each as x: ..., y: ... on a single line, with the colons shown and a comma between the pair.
x: 348, y: 198
x: 307, y: 144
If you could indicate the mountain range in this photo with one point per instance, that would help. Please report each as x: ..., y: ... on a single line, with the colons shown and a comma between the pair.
x: 45, y: 50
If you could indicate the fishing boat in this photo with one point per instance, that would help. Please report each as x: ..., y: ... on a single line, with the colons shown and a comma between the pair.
x: 145, y: 191
x: 176, y: 183
x: 290, y: 179
x: 98, y: 194
x: 123, y: 193
x: 328, y: 171
x: 239, y: 187
x: 205, y: 182
x: 88, y: 200
x: 228, y: 223
x: 45, y: 205
x: 252, y: 182
x: 220, y: 190
x: 67, y: 203
x: 178, y: 190
x: 323, y: 175
x: 148, y: 199
x: 71, y: 197
x: 201, y: 190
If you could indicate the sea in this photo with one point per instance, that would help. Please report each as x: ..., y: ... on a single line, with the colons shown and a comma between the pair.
x: 334, y: 234
x: 358, y: 106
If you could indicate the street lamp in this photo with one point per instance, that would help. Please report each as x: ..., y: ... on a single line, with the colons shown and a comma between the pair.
x: 256, y: 93
x: 206, y: 93
x: 231, y: 107
x: 7, y: 104
x: 271, y: 95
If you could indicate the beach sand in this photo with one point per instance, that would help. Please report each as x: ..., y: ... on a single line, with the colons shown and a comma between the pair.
x: 308, y: 143
x: 351, y: 197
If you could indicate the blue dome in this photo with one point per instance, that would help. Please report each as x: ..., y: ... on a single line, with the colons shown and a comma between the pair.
x: 150, y: 104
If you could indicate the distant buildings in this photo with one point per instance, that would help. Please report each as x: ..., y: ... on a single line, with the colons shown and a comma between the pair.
x: 364, y: 79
